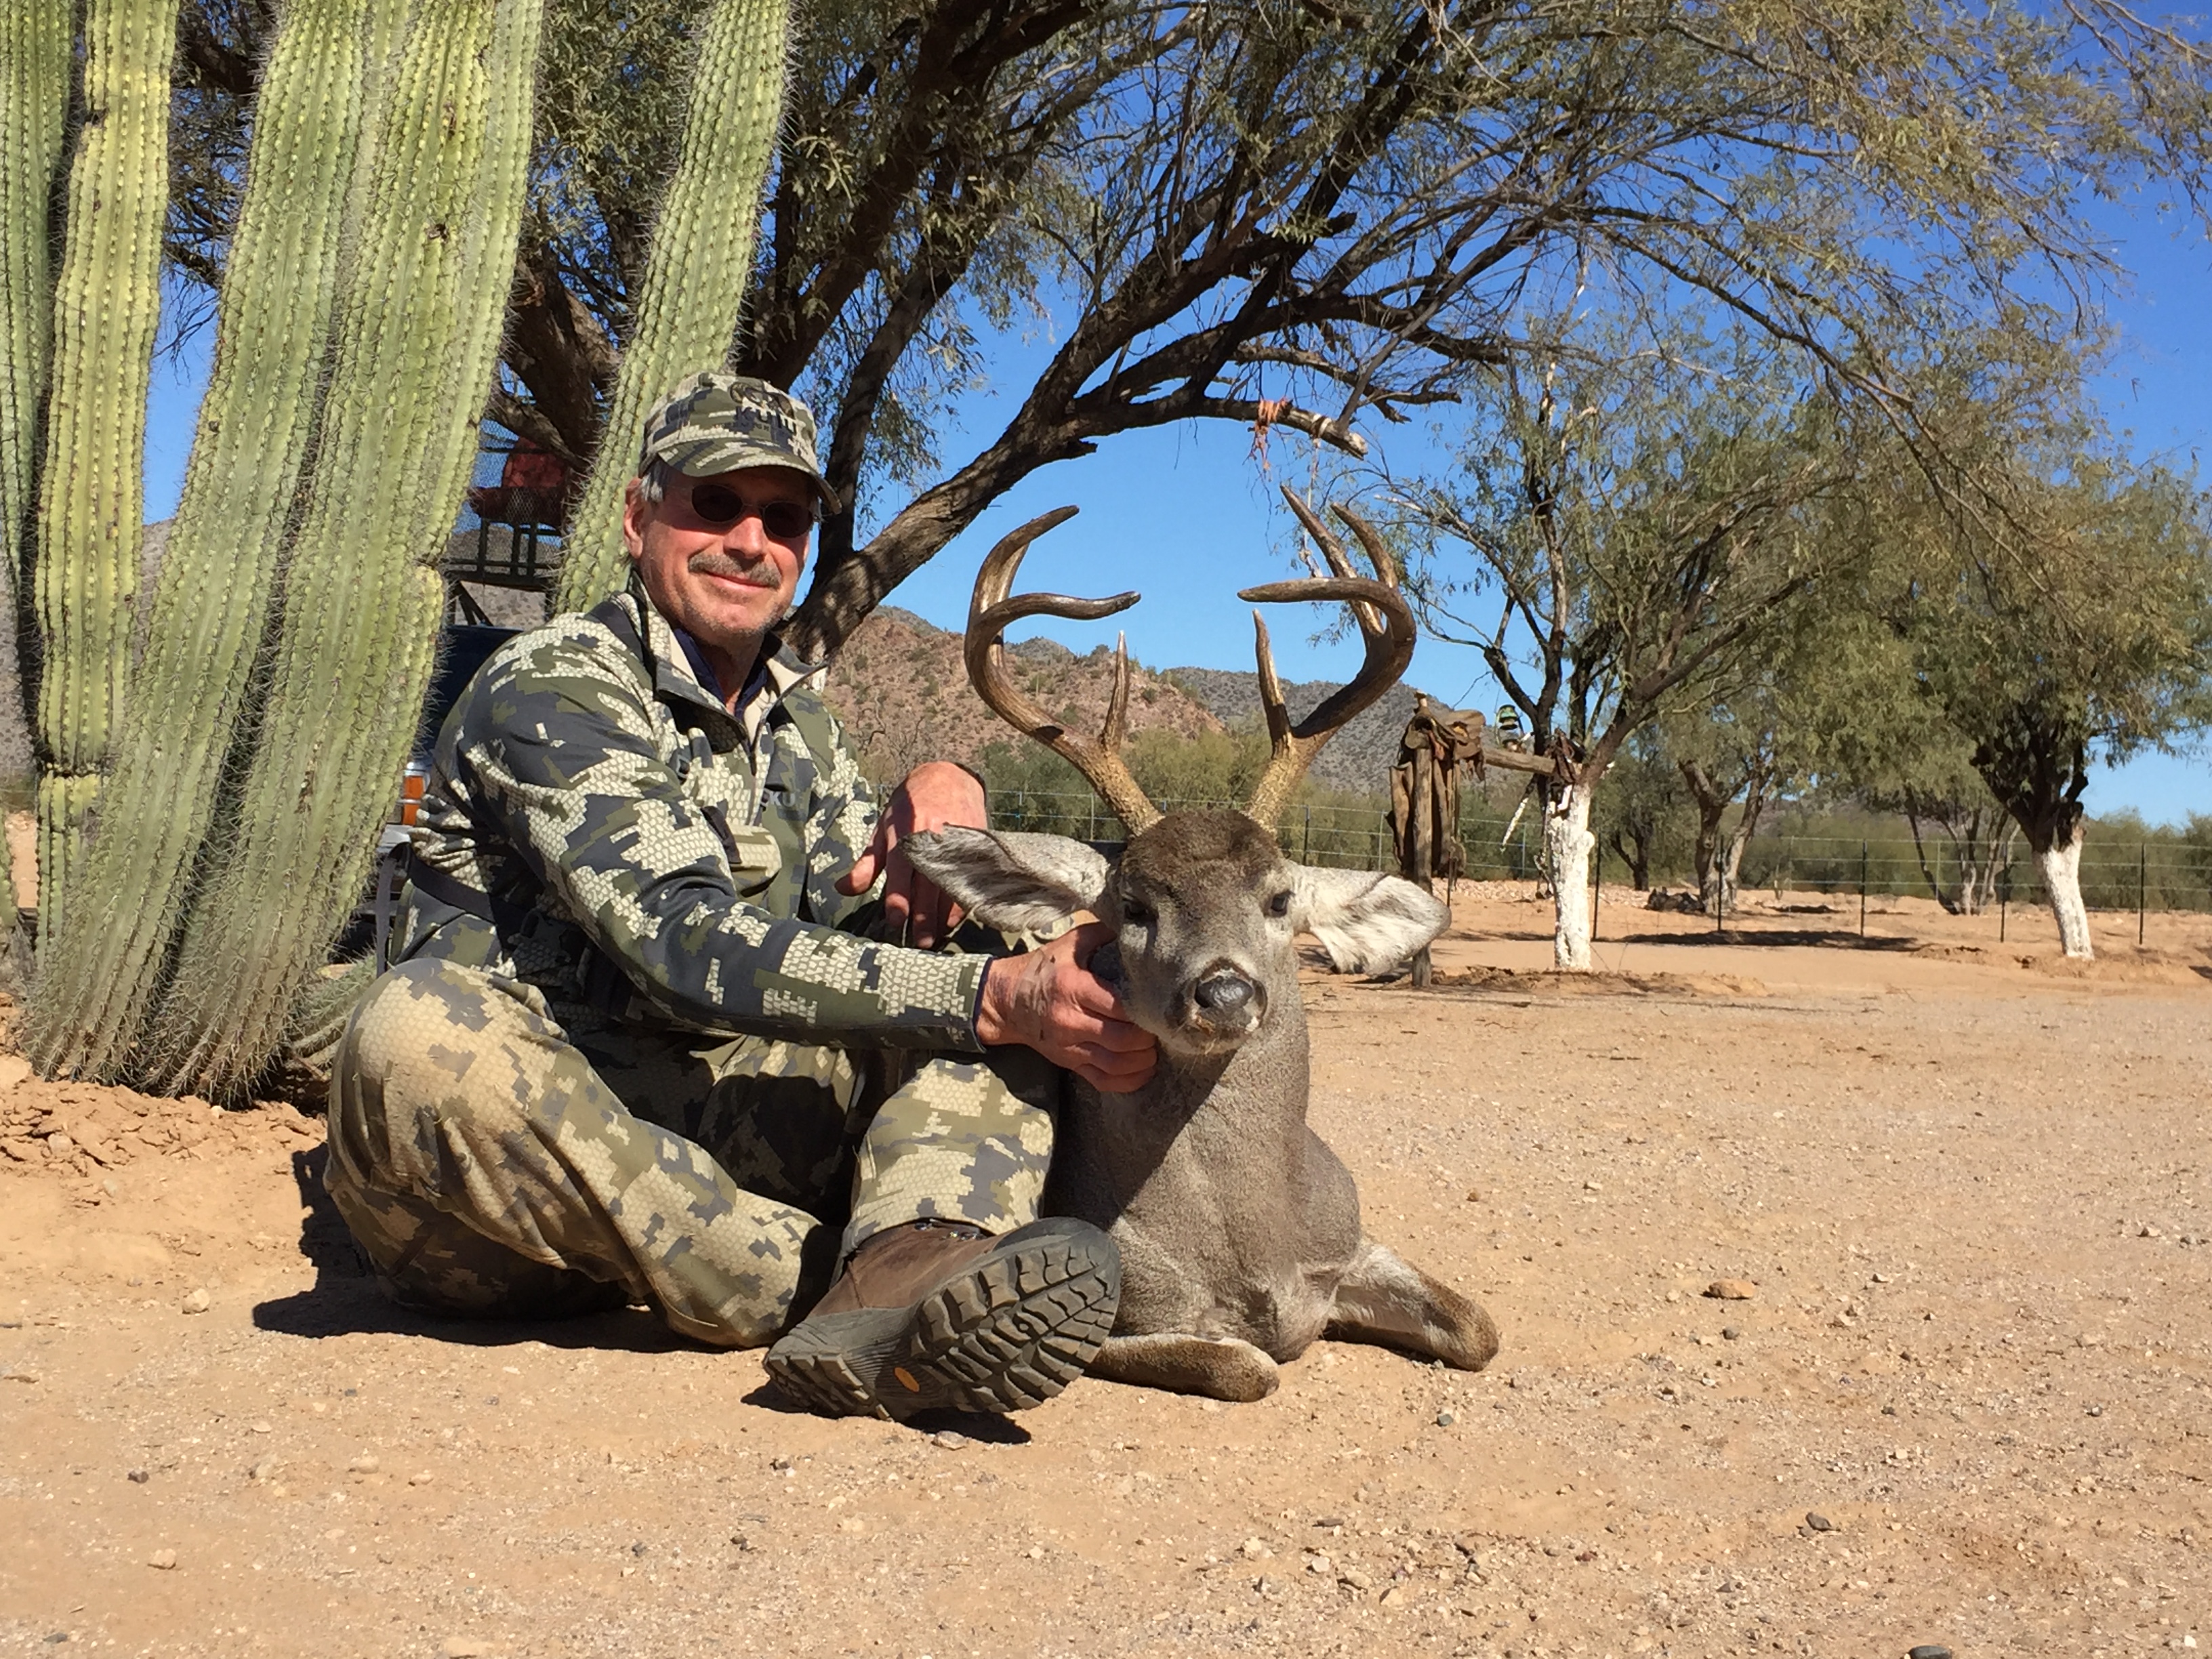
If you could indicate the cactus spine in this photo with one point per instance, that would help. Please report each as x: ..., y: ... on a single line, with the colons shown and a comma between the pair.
x: 695, y: 277
x: 211, y: 605
x: 416, y: 340
x: 106, y: 300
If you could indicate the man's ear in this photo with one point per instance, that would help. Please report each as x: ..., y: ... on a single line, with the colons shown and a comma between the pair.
x: 1368, y: 923
x: 1006, y: 878
x: 633, y: 527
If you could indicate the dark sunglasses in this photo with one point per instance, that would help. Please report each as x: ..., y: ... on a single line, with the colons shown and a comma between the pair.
x: 718, y: 507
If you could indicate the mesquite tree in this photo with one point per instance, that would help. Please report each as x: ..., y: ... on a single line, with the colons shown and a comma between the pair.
x: 1617, y: 543
x: 1327, y: 214
x: 2060, y: 618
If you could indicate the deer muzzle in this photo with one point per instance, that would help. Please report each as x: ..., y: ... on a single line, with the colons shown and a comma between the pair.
x: 1225, y: 1002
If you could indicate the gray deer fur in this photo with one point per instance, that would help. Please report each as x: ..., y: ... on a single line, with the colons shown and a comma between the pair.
x: 1239, y: 1228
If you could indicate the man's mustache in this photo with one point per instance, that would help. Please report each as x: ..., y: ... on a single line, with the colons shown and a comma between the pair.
x: 714, y: 562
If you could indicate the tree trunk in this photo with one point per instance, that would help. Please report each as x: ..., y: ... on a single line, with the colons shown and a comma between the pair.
x: 2061, y: 865
x: 1567, y: 846
x: 1635, y: 852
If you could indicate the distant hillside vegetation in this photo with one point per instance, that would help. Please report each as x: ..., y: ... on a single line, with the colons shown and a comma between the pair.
x: 901, y: 689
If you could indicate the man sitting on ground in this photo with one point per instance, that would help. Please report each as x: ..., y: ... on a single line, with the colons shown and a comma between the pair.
x: 626, y: 1054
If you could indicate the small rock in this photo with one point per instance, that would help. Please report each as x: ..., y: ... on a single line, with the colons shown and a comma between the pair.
x: 944, y: 1437
x: 19, y: 1374
x: 60, y: 1144
x: 364, y: 1464
x: 638, y: 1548
x: 1730, y: 1333
x: 2094, y: 1411
x: 1393, y: 1596
x: 1254, y: 1548
x: 1592, y: 1186
x: 262, y: 1427
x: 1732, y: 1289
x: 261, y: 1470
x: 1355, y: 1578
x: 741, y: 1542
x: 139, y: 1477
x: 164, y: 1559
x: 424, y: 1478
x: 1929, y: 1651
x: 1474, y: 1195
x: 1445, y: 1420
x: 1037, y: 1552
x: 1320, y: 1564
x: 199, y: 1302
x: 1818, y: 1521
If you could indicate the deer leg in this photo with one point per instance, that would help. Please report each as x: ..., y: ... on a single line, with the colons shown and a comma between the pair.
x: 1222, y: 1368
x: 1383, y: 1299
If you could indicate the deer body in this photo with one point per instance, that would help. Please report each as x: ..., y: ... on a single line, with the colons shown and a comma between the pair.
x: 1239, y: 1228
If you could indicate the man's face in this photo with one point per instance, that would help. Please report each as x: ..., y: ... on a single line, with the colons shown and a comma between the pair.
x: 724, y: 583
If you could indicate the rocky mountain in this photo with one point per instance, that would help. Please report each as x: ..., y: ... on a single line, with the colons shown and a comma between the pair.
x: 901, y: 689
x: 1356, y: 760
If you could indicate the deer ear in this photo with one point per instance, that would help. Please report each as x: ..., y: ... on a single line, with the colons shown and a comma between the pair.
x: 1022, y: 883
x: 1366, y: 922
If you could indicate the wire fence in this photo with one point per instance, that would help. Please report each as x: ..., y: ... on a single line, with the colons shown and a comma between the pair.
x: 2140, y: 876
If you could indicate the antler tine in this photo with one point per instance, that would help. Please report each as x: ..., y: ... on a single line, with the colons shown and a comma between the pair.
x: 1389, y: 651
x: 1333, y: 549
x: 990, y: 610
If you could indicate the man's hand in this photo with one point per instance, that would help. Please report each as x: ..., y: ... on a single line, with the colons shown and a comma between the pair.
x: 935, y: 795
x: 1049, y: 1000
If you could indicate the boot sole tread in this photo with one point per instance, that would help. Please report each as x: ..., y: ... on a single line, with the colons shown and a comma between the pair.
x: 1009, y: 1334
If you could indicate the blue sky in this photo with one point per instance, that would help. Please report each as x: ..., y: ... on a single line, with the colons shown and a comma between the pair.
x: 1189, y: 514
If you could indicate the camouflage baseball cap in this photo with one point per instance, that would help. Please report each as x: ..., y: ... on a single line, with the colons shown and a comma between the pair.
x: 717, y: 423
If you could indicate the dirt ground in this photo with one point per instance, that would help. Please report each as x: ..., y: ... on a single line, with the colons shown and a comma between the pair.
x: 1963, y: 1403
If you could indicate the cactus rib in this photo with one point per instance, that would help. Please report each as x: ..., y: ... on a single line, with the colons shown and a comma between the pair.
x: 696, y: 274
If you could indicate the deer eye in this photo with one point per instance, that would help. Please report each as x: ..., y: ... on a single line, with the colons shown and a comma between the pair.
x: 1136, y: 915
x: 1280, y: 905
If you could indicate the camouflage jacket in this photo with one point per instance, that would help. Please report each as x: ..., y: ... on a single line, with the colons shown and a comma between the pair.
x: 597, y: 825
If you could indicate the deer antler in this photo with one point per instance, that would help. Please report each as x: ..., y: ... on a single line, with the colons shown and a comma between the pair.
x: 989, y: 613
x: 1384, y: 622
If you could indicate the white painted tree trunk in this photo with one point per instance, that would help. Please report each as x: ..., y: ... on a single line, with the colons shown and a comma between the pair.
x: 2061, y: 865
x: 1568, y: 842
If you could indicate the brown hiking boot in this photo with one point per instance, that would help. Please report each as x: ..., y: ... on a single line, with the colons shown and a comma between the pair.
x: 941, y: 1314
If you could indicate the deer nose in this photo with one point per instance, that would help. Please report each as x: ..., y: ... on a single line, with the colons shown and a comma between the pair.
x: 1225, y: 991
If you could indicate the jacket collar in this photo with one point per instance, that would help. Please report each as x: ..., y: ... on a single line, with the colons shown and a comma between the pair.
x: 782, y: 669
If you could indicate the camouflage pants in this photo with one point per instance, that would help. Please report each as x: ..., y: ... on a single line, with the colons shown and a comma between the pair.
x: 491, y: 1162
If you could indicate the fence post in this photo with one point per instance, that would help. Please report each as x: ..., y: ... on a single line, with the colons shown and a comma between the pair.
x: 2004, y: 899
x: 1862, y: 881
x: 2142, y: 886
x: 1306, y: 840
x: 1597, y: 887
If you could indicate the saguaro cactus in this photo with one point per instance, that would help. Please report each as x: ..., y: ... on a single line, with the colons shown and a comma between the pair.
x: 106, y: 300
x: 695, y: 277
x: 34, y: 69
x: 417, y: 335
x: 211, y: 605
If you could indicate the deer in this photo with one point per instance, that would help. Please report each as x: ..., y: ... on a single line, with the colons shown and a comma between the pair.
x: 1239, y: 1228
